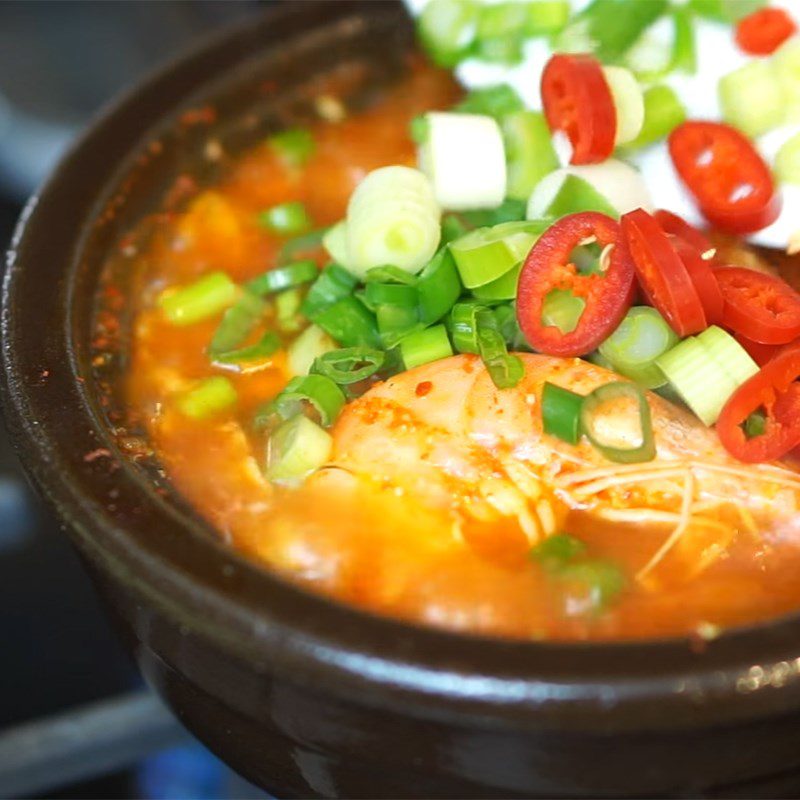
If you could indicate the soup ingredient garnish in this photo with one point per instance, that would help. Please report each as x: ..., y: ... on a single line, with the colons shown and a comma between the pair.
x: 238, y: 322
x: 294, y: 146
x: 628, y: 103
x: 561, y: 413
x: 303, y: 392
x: 663, y: 111
x: 426, y: 345
x: 725, y: 10
x: 349, y: 364
x: 392, y: 218
x: 726, y: 175
x: 505, y: 370
x: 529, y: 152
x: 438, y: 287
x: 306, y: 348
x: 593, y: 411
x: 752, y: 99
x: 200, y: 300
x: 333, y: 284
x: 641, y: 338
x: 267, y: 345
x: 207, y: 398
x: 286, y: 219
x: 464, y: 157
x: 661, y: 273
x: 446, y: 29
x: 297, y: 448
x: 713, y: 359
x: 787, y: 161
x: 607, y: 293
x: 287, y: 277
x: 577, y: 101
x: 763, y: 31
x: 758, y: 306
x: 775, y: 392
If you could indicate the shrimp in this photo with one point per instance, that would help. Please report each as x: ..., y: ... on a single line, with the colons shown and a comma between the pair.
x: 443, y: 436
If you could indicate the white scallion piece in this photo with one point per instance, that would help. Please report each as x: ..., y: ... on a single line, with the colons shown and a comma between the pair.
x: 628, y: 103
x: 464, y: 157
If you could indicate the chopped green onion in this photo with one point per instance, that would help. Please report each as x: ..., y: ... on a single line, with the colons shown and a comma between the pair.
x: 207, y: 398
x: 663, y: 112
x: 285, y: 218
x: 562, y: 309
x: 684, y: 47
x: 498, y: 50
x: 395, y: 321
x: 506, y: 316
x: 390, y: 274
x: 592, y: 412
x: 608, y: 28
x: 752, y: 99
x: 786, y: 66
x: 349, y: 322
x: 268, y: 344
x: 333, y: 283
x: 652, y: 59
x: 561, y: 413
x: 287, y: 310
x: 628, y: 102
x: 632, y: 349
x: 394, y: 294
x: 556, y: 551
x: 424, y: 346
x: 502, y: 288
x: 301, y: 245
x: 494, y: 101
x: 238, y: 322
x: 463, y: 324
x: 485, y: 254
x: 706, y: 370
x: 453, y: 227
x: 281, y: 278
x: 294, y: 146
x: 501, y: 32
x: 561, y: 193
x: 419, y: 129
x: 755, y: 425
x: 446, y: 29
x: 725, y: 10
x: 510, y: 210
x: 546, y: 17
x: 392, y: 218
x: 200, y: 300
x: 335, y: 242
x: 350, y: 364
x: 464, y: 159
x: 306, y: 348
x: 505, y: 370
x: 297, y: 448
x: 787, y: 161
x: 320, y: 392
x: 529, y: 151
x: 438, y: 287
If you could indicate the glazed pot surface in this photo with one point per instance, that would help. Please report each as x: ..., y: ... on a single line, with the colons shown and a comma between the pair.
x: 300, y: 694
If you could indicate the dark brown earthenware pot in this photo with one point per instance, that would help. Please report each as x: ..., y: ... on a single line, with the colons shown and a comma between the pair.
x: 302, y: 695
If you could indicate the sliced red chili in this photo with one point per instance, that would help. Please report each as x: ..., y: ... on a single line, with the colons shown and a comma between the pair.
x: 703, y: 279
x: 607, y: 294
x: 758, y: 306
x: 661, y: 273
x: 764, y: 31
x: 774, y: 390
x: 577, y: 101
x: 673, y: 225
x: 732, y: 184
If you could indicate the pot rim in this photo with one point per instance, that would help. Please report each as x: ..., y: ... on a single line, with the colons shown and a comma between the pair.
x: 159, y: 551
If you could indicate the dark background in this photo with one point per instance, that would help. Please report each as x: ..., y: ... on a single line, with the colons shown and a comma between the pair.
x: 59, y: 63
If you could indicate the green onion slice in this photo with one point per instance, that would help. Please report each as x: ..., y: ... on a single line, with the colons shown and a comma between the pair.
x: 297, y: 448
x: 561, y: 413
x: 446, y: 29
x: 281, y: 278
x: 556, y: 551
x: 421, y: 347
x: 562, y: 309
x: 301, y: 245
x: 529, y: 152
x: 317, y: 390
x: 394, y: 294
x: 286, y: 218
x: 333, y: 283
x: 505, y: 370
x: 294, y: 146
x: 268, y: 344
x: 592, y: 414
x: 663, y: 112
x: 787, y: 161
x: 350, y: 364
x: 287, y: 310
x: 493, y: 101
x: 349, y: 322
x: 207, y: 398
x: 438, y: 287
x: 464, y: 326
x: 200, y: 300
x: 237, y: 323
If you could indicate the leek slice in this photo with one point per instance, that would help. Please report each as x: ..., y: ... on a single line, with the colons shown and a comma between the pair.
x: 663, y: 112
x: 786, y: 66
x: 200, y: 300
x: 335, y: 242
x: 628, y: 103
x: 502, y: 288
x: 392, y: 218
x: 297, y: 448
x: 787, y: 161
x: 208, y: 398
x: 529, y: 151
x: 312, y: 343
x: 752, y: 99
x: 464, y: 158
x: 424, y: 346
x: 728, y: 353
